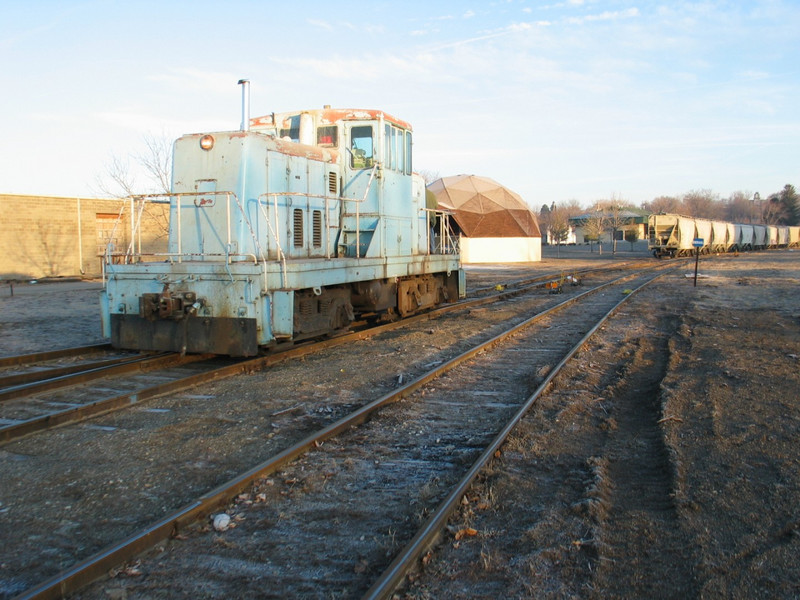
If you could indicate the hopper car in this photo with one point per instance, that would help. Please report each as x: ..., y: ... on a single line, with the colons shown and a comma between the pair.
x: 289, y: 228
x: 673, y: 235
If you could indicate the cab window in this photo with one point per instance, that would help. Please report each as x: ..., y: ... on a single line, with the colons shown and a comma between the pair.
x: 399, y: 146
x: 326, y: 136
x: 361, y: 147
x: 408, y: 152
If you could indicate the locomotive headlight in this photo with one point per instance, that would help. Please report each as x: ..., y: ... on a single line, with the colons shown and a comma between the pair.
x: 207, y: 142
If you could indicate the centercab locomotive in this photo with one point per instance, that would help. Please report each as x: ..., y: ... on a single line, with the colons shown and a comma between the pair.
x: 289, y: 228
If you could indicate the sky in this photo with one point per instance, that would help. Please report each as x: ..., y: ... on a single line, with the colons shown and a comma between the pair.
x: 566, y: 100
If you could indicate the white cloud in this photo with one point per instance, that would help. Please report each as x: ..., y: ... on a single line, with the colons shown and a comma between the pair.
x: 320, y: 24
x: 605, y: 16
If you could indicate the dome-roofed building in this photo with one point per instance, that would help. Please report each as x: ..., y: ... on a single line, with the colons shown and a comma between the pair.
x: 494, y: 223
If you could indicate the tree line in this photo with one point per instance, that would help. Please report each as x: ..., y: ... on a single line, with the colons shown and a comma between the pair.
x: 779, y: 208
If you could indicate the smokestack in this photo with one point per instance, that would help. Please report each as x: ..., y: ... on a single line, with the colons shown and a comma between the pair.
x: 245, y: 83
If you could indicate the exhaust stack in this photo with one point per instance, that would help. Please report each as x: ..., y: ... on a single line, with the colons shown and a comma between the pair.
x: 245, y: 83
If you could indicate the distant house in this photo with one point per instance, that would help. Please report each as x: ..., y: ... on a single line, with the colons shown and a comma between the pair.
x: 494, y: 224
x: 570, y: 240
x: 628, y: 220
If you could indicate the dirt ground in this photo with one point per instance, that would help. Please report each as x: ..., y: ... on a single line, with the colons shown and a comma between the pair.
x: 664, y: 463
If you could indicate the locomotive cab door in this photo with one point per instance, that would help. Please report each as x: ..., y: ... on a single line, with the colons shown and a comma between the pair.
x: 360, y: 192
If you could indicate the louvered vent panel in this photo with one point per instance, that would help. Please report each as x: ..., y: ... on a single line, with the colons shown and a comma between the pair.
x: 298, y: 228
x: 332, y: 188
x: 317, y: 229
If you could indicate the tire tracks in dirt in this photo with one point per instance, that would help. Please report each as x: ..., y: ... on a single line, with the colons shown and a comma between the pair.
x: 638, y: 539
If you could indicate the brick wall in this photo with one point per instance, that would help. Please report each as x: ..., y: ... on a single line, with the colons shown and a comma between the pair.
x: 45, y: 236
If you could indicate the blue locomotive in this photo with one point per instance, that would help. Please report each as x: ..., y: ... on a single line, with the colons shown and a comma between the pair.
x: 289, y: 228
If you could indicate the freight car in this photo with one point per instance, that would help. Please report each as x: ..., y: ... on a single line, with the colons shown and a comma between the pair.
x: 289, y: 228
x: 673, y: 235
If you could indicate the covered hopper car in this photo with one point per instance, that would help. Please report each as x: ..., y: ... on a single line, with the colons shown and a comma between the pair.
x: 289, y: 228
x: 674, y: 235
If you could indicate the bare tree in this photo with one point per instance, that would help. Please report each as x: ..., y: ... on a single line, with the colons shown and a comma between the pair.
x: 572, y: 207
x: 558, y: 227
x: 772, y: 212
x: 740, y: 208
x: 119, y: 181
x: 702, y: 203
x: 615, y: 217
x: 429, y: 176
x: 554, y: 220
x: 663, y: 204
x: 155, y: 162
x: 594, y: 227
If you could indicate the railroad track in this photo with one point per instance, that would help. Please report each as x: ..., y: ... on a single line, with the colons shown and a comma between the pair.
x: 221, y: 496
x: 18, y: 385
x: 60, y: 396
x: 37, y: 357
x: 56, y: 396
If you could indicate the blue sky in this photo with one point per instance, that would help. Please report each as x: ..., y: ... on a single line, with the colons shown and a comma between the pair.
x: 575, y: 99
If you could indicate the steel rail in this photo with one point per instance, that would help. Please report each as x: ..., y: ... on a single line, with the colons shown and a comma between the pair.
x: 94, y: 567
x: 128, y: 365
x: 426, y: 536
x: 25, y: 359
x: 44, y: 374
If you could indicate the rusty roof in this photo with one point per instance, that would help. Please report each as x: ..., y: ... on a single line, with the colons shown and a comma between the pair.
x: 326, y: 116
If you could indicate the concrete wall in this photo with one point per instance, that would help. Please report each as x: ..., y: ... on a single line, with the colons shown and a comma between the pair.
x: 500, y: 250
x: 45, y: 236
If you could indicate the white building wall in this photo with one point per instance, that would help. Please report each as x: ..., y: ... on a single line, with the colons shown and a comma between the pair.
x: 569, y: 240
x: 500, y: 250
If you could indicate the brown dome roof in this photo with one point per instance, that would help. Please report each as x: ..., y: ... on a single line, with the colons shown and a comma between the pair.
x: 483, y: 208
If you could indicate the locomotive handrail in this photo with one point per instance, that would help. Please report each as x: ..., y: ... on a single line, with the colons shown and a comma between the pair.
x: 448, y: 243
x: 256, y: 243
x: 189, y: 255
x: 281, y: 254
x: 263, y: 206
x: 358, y: 207
x: 136, y: 224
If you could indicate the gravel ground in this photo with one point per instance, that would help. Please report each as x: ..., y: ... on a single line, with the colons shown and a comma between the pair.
x: 664, y: 462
